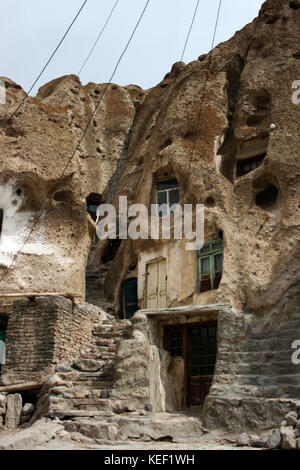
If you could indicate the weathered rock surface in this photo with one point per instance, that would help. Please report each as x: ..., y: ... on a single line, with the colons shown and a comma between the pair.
x: 288, y: 439
x: 274, y: 441
x: 39, y: 433
x: 13, y: 411
x: 36, y: 149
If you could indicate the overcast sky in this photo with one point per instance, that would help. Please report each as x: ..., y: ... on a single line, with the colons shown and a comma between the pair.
x: 31, y: 29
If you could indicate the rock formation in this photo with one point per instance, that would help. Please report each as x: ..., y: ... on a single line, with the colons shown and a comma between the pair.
x: 225, y: 128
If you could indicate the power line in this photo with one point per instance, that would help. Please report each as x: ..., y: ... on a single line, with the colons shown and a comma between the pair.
x: 46, y: 65
x: 98, y: 37
x: 79, y: 141
x: 171, y: 91
x: 202, y: 99
x: 190, y: 30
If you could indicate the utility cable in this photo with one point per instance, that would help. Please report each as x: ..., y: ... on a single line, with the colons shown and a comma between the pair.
x: 45, y: 66
x: 202, y: 99
x: 79, y: 142
x: 170, y: 94
x: 98, y: 37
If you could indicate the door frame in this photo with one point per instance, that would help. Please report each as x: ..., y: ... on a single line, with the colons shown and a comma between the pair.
x: 187, y: 351
x: 152, y: 261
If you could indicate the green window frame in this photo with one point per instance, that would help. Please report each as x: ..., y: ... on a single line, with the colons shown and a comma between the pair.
x: 210, y: 265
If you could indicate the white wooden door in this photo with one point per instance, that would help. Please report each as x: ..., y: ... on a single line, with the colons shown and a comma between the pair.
x: 157, y: 284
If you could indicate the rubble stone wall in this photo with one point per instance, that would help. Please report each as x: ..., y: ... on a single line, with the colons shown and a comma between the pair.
x: 41, y: 333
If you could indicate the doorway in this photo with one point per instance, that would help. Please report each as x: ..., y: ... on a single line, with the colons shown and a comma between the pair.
x: 130, y: 298
x: 197, y: 345
x: 156, y: 284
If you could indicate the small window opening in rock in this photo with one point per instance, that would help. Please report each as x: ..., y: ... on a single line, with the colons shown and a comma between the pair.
x: 62, y: 196
x: 164, y: 85
x: 294, y: 5
x: 132, y: 268
x: 296, y: 55
x: 267, y: 198
x: 92, y: 202
x: 97, y: 92
x: 246, y: 166
x: 210, y: 202
x: 19, y: 192
x: 273, y: 19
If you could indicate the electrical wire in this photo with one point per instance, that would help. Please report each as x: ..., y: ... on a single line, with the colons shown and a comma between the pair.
x: 170, y: 94
x: 45, y: 66
x: 98, y: 37
x: 79, y: 142
x: 202, y: 99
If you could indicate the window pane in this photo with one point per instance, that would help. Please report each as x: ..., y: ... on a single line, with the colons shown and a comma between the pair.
x: 217, y: 246
x: 169, y: 184
x: 205, y: 266
x: 162, y: 197
x: 206, y: 249
x: 173, y: 197
x: 218, y: 262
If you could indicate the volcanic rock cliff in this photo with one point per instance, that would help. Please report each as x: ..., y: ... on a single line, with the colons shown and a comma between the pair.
x: 203, y: 118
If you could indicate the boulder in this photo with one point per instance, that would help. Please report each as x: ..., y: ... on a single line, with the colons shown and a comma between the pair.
x: 274, y: 441
x: 243, y: 440
x: 28, y: 409
x: 291, y: 419
x: 288, y: 439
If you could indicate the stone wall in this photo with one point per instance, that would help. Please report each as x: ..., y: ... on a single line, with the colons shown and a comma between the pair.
x: 41, y: 333
x: 256, y: 382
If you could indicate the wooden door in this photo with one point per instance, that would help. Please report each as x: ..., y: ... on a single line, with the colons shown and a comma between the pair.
x: 202, y: 351
x: 197, y: 344
x: 157, y: 284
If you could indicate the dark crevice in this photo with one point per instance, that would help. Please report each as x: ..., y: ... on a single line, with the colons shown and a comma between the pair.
x: 295, y: 5
x: 228, y: 149
x: 267, y: 199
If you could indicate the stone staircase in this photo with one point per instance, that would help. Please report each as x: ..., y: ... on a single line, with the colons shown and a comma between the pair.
x: 94, y: 280
x: 262, y: 364
x: 85, y: 386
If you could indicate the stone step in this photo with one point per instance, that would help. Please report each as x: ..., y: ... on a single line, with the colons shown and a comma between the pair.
x: 269, y: 369
x: 286, y: 329
x: 256, y: 357
x: 271, y: 345
x: 267, y: 380
x: 71, y: 413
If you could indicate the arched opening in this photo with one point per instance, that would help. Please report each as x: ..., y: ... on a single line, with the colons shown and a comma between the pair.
x: 92, y: 202
x: 267, y: 199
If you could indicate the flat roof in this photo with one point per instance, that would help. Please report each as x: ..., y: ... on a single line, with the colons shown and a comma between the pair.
x: 187, y: 310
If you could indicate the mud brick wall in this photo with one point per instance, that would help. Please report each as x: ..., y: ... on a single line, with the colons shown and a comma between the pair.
x: 41, y: 333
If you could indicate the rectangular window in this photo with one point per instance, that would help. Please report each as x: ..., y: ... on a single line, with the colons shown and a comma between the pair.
x: 210, y: 265
x: 167, y: 193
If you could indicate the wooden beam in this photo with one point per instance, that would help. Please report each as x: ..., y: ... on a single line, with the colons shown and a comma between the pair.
x: 40, y: 294
x: 21, y: 387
